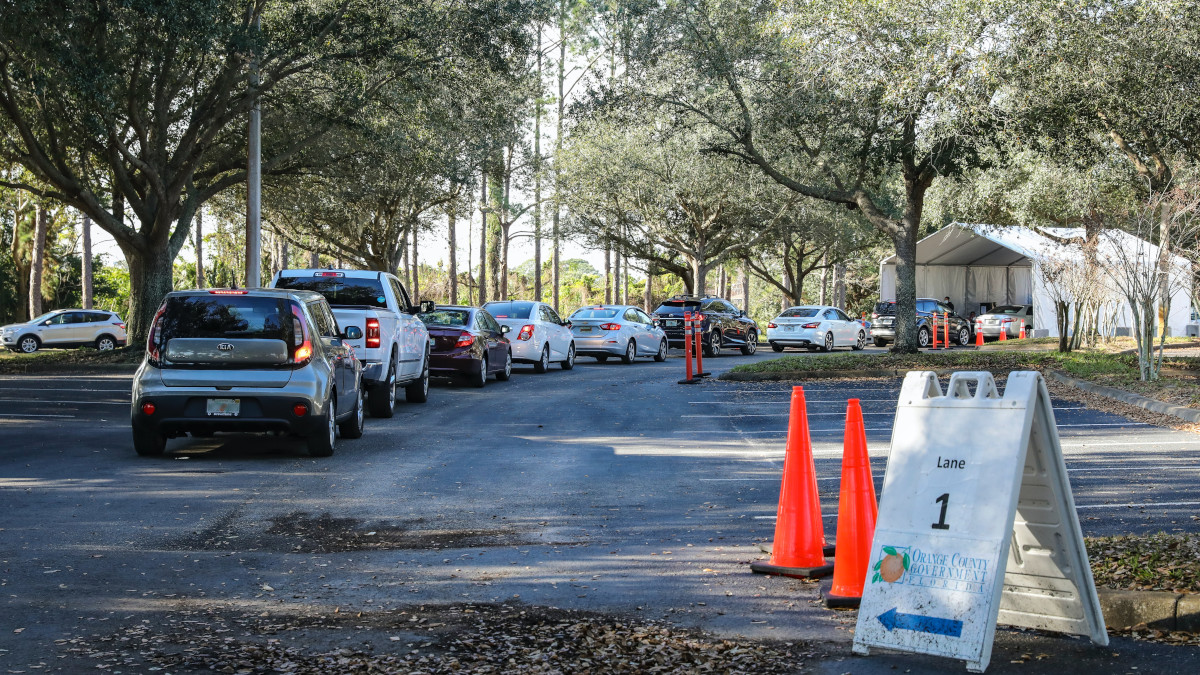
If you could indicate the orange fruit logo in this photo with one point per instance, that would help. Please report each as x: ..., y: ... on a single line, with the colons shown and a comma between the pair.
x: 891, y: 566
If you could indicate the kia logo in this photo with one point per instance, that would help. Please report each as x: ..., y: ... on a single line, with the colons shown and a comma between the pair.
x: 225, y: 346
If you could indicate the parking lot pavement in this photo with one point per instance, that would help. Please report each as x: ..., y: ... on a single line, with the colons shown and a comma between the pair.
x: 609, y: 488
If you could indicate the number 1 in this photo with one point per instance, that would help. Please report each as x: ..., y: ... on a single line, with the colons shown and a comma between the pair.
x: 941, y: 523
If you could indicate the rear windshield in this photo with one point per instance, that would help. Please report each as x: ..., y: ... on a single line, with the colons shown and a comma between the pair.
x: 1008, y: 309
x: 594, y: 313
x: 802, y: 312
x: 340, y: 291
x: 510, y: 310
x: 885, y: 308
x: 446, y: 317
x: 677, y: 307
x: 227, y: 317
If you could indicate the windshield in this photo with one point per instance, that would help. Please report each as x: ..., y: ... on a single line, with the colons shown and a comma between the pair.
x: 885, y: 308
x: 340, y: 291
x: 594, y: 313
x: 446, y: 317
x: 227, y: 317
x: 803, y: 312
x: 43, y: 317
x: 1008, y: 309
x: 510, y: 310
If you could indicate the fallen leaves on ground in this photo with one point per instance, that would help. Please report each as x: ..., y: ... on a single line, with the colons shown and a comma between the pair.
x: 1159, y: 562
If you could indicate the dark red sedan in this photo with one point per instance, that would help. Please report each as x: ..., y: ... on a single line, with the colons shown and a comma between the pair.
x: 469, y: 342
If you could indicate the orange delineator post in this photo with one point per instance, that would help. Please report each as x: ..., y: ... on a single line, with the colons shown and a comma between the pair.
x: 799, y: 549
x: 946, y: 328
x: 699, y: 348
x: 687, y: 348
x: 935, y: 327
x: 857, y: 512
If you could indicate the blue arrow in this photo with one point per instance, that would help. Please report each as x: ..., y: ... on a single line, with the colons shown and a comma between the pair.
x: 892, y: 619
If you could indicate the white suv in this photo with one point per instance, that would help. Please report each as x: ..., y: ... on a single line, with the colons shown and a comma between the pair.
x: 66, y: 328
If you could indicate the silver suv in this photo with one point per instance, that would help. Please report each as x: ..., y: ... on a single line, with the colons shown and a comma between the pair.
x: 247, y: 360
x: 66, y: 328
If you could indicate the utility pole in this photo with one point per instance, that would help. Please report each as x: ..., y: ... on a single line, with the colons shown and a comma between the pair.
x: 254, y: 181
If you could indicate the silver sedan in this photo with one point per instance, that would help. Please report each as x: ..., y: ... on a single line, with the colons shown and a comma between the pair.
x: 1005, y: 318
x: 601, y: 331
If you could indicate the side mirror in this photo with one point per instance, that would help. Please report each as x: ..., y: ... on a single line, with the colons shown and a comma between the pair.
x: 46, y: 322
x: 568, y: 324
x: 426, y: 306
x: 505, y: 329
x: 352, y: 333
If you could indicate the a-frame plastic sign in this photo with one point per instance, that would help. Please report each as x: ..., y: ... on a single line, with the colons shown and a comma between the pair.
x: 976, y: 524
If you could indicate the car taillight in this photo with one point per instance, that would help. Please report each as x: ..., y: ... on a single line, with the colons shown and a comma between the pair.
x: 699, y: 317
x: 154, y: 337
x: 119, y: 325
x: 228, y: 291
x: 815, y: 324
x: 302, y: 349
x: 772, y: 325
x: 372, y: 333
x: 526, y: 332
x: 465, y: 339
x: 610, y: 326
x: 874, y: 315
x: 148, y: 408
x: 299, y: 410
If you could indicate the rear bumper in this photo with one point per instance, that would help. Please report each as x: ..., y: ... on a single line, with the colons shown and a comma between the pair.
x: 599, y: 346
x: 526, y: 351
x: 453, y: 364
x: 176, y: 413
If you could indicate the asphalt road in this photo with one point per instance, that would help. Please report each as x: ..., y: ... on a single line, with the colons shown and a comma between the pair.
x: 609, y: 488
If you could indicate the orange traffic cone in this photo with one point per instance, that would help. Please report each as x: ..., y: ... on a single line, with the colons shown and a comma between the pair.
x: 857, y: 512
x: 799, y: 548
x: 1003, y: 332
x: 1022, y: 336
x: 978, y: 335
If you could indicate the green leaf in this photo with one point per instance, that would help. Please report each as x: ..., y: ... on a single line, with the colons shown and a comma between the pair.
x: 906, y: 560
x: 889, y: 550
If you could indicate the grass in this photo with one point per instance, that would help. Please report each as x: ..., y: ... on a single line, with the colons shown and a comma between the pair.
x: 1156, y: 562
x: 69, y: 360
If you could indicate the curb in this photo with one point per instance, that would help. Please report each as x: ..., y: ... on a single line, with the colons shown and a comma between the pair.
x: 1156, y: 609
x: 1186, y: 414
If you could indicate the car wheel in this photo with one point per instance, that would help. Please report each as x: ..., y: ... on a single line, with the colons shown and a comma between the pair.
x: 570, y: 362
x: 601, y: 359
x: 713, y: 348
x: 148, y: 442
x: 28, y: 344
x: 320, y: 442
x: 381, y: 400
x: 106, y: 343
x: 661, y: 354
x: 630, y: 352
x: 418, y: 392
x: 861, y: 342
x: 543, y: 364
x: 964, y: 337
x: 751, y: 345
x: 828, y: 346
x: 880, y: 342
x: 924, y: 337
x: 353, y: 426
x: 776, y: 348
x: 507, y: 372
x: 480, y: 380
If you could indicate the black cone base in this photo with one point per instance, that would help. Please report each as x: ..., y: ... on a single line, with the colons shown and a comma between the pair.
x: 760, y: 567
x: 840, y: 602
x: 693, y: 381
x: 827, y: 550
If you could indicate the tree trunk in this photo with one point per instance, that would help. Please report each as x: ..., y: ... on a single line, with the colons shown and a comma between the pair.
x: 416, y: 270
x: 483, y: 295
x: 905, y: 241
x: 839, y: 286
x: 452, y: 264
x: 150, y: 279
x: 87, y: 263
x: 537, y: 176
x: 284, y: 252
x: 314, y: 260
x: 200, y: 249
x: 746, y: 286
x: 699, y: 271
x: 824, y: 283
x: 648, y: 291
x: 607, y: 274
x: 37, y: 262
x: 556, y: 272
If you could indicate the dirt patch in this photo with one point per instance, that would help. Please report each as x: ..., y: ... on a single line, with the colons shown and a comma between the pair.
x: 443, y: 639
x: 302, y: 532
x: 1156, y: 562
x: 1105, y: 404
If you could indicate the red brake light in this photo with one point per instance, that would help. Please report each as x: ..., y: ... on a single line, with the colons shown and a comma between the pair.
x: 772, y: 325
x: 302, y: 346
x: 228, y: 291
x: 610, y: 326
x: 816, y: 324
x: 299, y: 410
x: 465, y: 339
x: 329, y: 274
x: 699, y: 317
x: 154, y: 337
x: 148, y: 408
x: 372, y: 333
x: 119, y: 325
x: 526, y: 332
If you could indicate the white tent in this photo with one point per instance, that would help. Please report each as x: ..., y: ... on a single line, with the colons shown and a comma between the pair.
x: 978, y: 264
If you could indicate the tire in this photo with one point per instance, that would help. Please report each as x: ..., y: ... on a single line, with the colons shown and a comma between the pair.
x: 712, y: 347
x: 543, y: 364
x: 924, y: 338
x: 601, y: 359
x: 778, y: 349
x: 149, y: 443
x: 503, y: 375
x: 353, y: 426
x: 570, y: 362
x: 381, y: 399
x: 28, y: 344
x: 106, y: 343
x: 751, y: 345
x: 480, y: 380
x: 861, y: 342
x: 828, y: 345
x: 880, y: 342
x: 661, y: 354
x: 320, y: 442
x: 418, y: 391
x: 630, y: 352
x: 964, y: 337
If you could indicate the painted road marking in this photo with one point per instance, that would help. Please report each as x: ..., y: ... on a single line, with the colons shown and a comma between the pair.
x: 33, y: 415
x: 38, y: 401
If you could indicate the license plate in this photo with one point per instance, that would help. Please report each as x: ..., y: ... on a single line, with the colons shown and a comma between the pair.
x: 671, y: 323
x: 224, y: 407
x: 788, y: 328
x: 585, y: 329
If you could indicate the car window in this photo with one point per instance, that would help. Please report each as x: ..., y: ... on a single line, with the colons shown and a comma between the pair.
x: 925, y: 306
x: 729, y: 308
x: 799, y: 312
x: 227, y: 316
x: 550, y: 314
x: 943, y: 309
x: 401, y: 293
x: 632, y: 316
x: 712, y: 306
x: 842, y: 315
x: 447, y: 317
x: 324, y: 326
x: 339, y: 291
x: 331, y: 318
x: 100, y: 316
x: 61, y: 319
x: 505, y: 309
x: 831, y: 314
x: 645, y: 318
x: 492, y: 324
x: 594, y: 313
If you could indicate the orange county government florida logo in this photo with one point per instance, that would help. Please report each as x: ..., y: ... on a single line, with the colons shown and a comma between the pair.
x: 892, y: 565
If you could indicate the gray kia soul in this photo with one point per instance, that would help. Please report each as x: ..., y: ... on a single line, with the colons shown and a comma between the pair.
x: 247, y: 360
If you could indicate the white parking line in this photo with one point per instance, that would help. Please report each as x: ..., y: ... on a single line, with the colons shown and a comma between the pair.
x: 33, y: 415
x: 123, y: 391
x: 1134, y: 505
x: 42, y: 401
x: 842, y: 402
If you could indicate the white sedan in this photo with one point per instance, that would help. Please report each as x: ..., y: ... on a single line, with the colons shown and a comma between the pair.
x: 537, y: 334
x: 815, y: 327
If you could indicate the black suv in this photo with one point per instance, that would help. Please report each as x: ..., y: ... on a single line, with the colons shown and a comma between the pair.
x: 883, y: 324
x: 721, y: 324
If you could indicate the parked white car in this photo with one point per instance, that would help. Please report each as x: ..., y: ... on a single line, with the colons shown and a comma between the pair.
x: 1005, y: 318
x: 538, y: 335
x: 394, y: 348
x: 66, y: 328
x: 815, y: 327
x: 623, y: 331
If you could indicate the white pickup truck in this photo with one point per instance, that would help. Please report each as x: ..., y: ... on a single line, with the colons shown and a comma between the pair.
x: 394, y: 348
